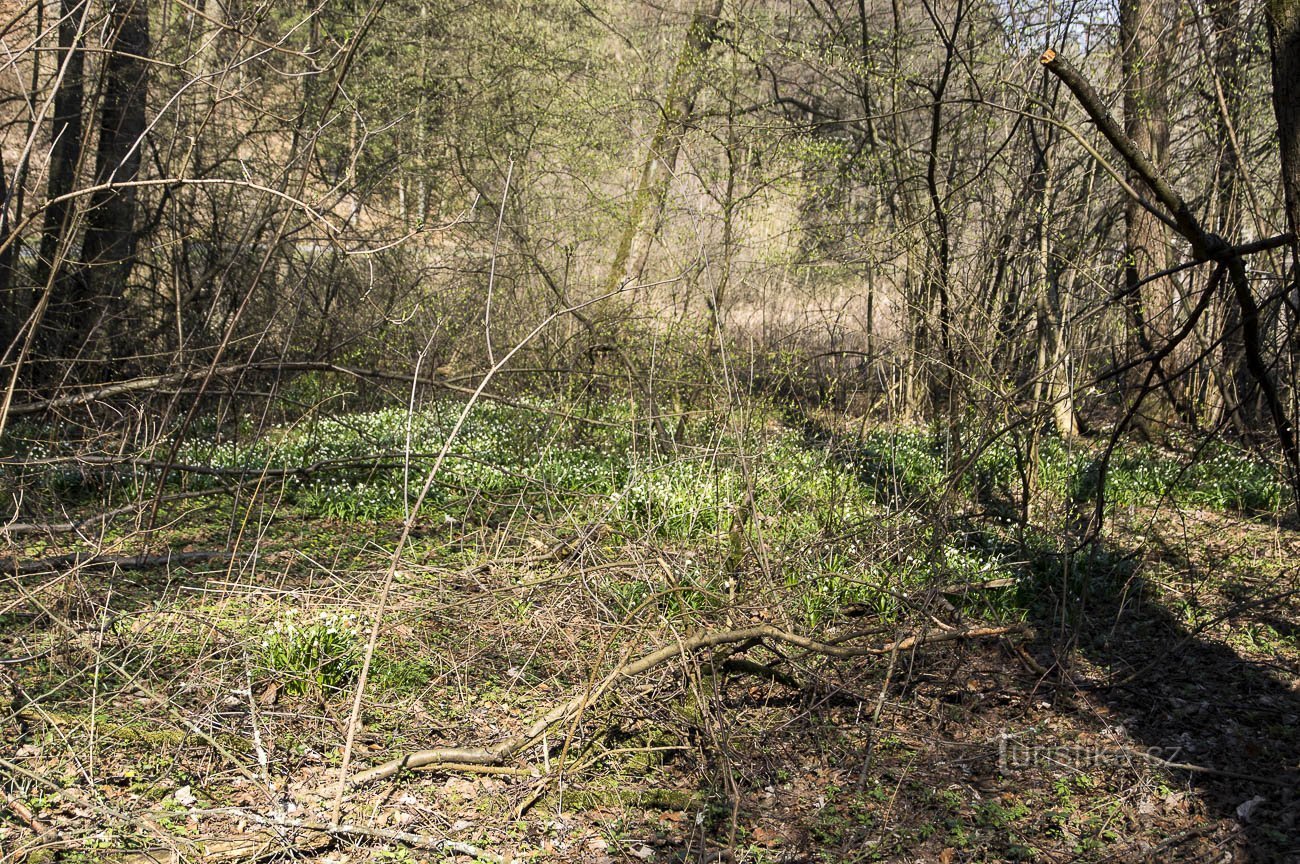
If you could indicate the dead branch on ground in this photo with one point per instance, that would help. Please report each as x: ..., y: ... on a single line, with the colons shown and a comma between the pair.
x: 452, y: 757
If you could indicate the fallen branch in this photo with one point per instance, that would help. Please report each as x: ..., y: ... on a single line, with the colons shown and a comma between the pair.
x: 452, y: 757
x: 1286, y: 782
x: 121, y: 562
x: 160, y: 382
x: 274, y: 843
x: 406, y: 838
x: 23, y: 813
x: 265, y: 845
x: 370, y: 462
x: 17, y: 529
x: 86, y: 802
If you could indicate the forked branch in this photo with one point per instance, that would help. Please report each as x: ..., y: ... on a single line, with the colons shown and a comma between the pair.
x: 451, y: 757
x: 1206, y: 246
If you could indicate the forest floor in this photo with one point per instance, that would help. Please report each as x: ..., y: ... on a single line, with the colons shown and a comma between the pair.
x: 1133, y: 699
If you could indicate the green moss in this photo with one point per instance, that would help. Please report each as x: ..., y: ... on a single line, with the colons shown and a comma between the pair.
x: 673, y: 800
x: 144, y: 732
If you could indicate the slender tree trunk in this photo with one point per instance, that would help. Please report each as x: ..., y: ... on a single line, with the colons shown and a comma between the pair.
x: 642, y: 225
x: 15, y: 298
x: 66, y: 132
x: 54, y: 312
x: 1143, y: 55
x: 109, y: 247
x: 1227, y: 375
x: 717, y: 298
x: 938, y: 287
x: 1284, y: 42
x: 11, y: 309
x: 1054, y: 384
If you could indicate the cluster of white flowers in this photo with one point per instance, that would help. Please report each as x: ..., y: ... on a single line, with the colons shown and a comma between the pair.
x: 498, y: 449
x: 291, y: 623
x: 322, y: 650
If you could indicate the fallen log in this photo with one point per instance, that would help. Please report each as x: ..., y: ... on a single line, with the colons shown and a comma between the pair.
x: 81, y: 560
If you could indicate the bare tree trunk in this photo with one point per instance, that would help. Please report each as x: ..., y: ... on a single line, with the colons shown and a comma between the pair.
x: 1054, y: 384
x: 1144, y: 57
x: 1226, y: 374
x: 52, y: 329
x: 66, y: 132
x: 11, y: 311
x: 715, y: 300
x: 109, y: 247
x: 661, y: 162
x: 16, y: 300
x: 1143, y: 54
x: 938, y: 281
x: 1284, y: 41
x: 939, y: 271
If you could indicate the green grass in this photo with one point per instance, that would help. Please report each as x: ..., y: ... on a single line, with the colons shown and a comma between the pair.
x: 811, y: 513
x: 914, y: 463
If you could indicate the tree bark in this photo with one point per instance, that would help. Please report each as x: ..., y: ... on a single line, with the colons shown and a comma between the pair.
x: 110, y: 242
x: 1144, y: 59
x: 11, y: 311
x: 1226, y: 374
x: 638, y: 235
x: 1284, y: 44
x: 66, y: 132
x: 1055, y: 387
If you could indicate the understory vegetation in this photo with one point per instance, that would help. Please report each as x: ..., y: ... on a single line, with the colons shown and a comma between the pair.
x: 575, y: 540
x: 597, y: 464
x: 668, y: 431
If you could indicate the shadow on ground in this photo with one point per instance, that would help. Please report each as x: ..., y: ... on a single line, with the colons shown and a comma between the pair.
x: 1152, y: 740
